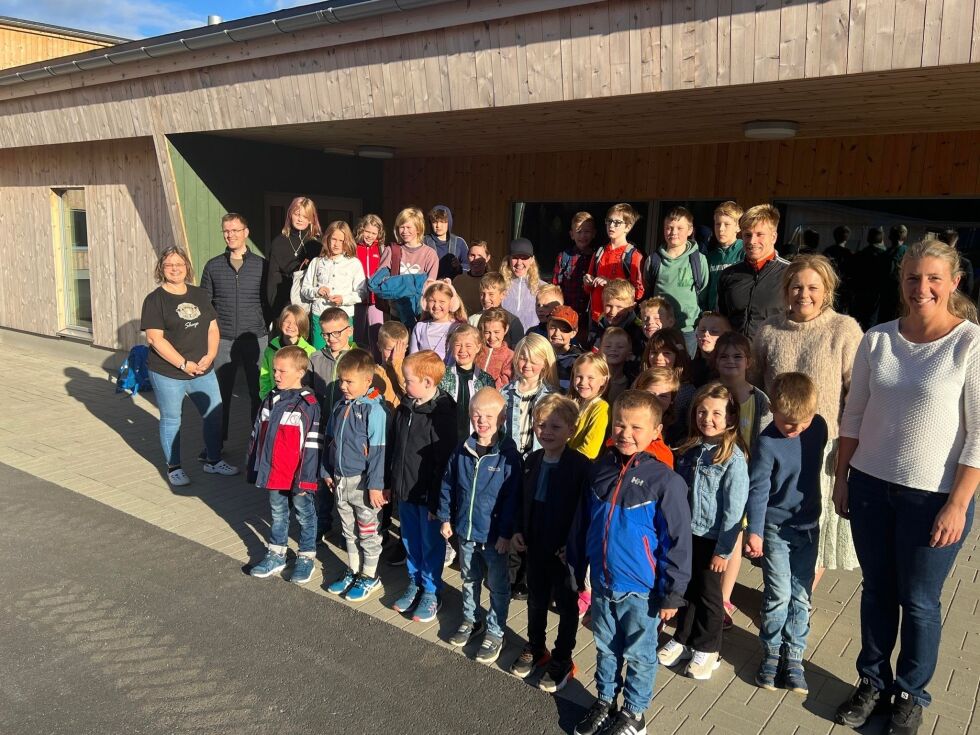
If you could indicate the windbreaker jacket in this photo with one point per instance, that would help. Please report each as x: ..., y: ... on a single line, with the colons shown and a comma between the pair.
x: 356, y: 440
x: 634, y: 530
x: 422, y: 438
x: 343, y: 276
x: 479, y: 494
x: 717, y: 493
x: 238, y: 296
x: 284, y: 451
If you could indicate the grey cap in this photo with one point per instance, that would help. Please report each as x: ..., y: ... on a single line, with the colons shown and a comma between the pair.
x: 521, y: 246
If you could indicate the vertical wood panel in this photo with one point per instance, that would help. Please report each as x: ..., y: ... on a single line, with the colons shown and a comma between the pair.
x: 855, y: 36
x: 956, y: 32
x: 743, y: 42
x: 932, y: 32
x: 767, y: 41
x: 706, y: 50
x: 879, y: 35
x: 792, y: 39
x: 910, y: 18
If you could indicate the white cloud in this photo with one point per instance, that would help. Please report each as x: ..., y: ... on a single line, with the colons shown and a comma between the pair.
x: 283, y: 4
x: 127, y: 18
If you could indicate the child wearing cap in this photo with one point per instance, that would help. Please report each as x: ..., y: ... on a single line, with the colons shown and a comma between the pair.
x: 562, y: 328
x: 548, y: 298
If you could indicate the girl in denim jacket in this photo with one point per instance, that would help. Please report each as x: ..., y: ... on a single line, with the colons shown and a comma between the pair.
x: 713, y: 462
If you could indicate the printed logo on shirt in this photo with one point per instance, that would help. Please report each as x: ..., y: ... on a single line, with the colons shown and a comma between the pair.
x: 411, y: 269
x: 493, y: 469
x: 188, y: 311
x: 637, y: 481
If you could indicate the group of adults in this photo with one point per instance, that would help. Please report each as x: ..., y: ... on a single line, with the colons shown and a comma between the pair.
x: 901, y: 402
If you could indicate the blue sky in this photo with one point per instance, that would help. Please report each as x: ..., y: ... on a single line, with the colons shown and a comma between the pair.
x: 137, y: 18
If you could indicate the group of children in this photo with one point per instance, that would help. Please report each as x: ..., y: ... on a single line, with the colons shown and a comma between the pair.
x: 502, y: 442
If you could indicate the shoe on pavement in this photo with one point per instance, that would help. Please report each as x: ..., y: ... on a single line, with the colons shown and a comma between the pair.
x: 362, y: 588
x: 793, y: 677
x: 220, y: 468
x: 906, y: 715
x: 528, y: 661
x: 673, y: 653
x: 272, y: 564
x: 450, y: 555
x: 302, y: 570
x: 599, y: 716
x: 765, y: 677
x: 519, y: 592
x: 343, y: 584
x: 407, y: 599
x: 557, y: 676
x: 428, y: 607
x: 625, y: 723
x: 178, y: 478
x: 466, y: 631
x: 398, y: 556
x: 584, y: 603
x: 864, y: 702
x: 490, y: 649
x: 702, y: 665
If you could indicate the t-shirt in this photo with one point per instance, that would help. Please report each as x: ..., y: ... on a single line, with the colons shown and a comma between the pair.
x: 185, y: 320
x: 541, y: 491
x: 481, y: 450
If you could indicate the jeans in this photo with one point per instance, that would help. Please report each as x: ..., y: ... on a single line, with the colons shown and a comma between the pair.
x: 548, y: 578
x: 891, y: 526
x: 700, y: 622
x: 305, y: 506
x: 477, y: 561
x: 204, y: 394
x: 425, y: 548
x: 789, y: 560
x: 245, y: 350
x: 625, y: 633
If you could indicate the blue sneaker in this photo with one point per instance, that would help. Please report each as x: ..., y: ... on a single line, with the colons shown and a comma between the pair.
x: 427, y: 608
x: 765, y: 678
x: 343, y: 584
x: 793, y: 678
x: 302, y: 570
x: 362, y: 588
x: 407, y: 600
x: 272, y: 564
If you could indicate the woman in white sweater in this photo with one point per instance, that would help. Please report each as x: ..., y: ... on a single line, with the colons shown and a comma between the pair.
x: 908, y: 468
x: 813, y: 339
x: 336, y: 278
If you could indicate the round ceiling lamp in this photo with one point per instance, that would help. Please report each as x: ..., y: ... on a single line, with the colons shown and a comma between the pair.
x: 770, y: 129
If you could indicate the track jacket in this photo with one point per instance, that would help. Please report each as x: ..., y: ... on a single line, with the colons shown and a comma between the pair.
x: 356, y: 440
x: 284, y: 451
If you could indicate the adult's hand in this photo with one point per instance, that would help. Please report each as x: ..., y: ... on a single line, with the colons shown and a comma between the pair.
x: 204, y: 364
x: 948, y: 527
x: 841, y: 497
x: 192, y: 368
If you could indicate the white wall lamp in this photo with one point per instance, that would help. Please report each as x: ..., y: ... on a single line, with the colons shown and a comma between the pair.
x: 770, y: 129
x: 379, y: 152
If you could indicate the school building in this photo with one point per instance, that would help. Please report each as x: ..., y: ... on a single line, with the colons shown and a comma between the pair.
x: 514, y: 114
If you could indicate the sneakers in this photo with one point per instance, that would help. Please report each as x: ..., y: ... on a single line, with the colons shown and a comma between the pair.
x: 398, y: 556
x: 765, y: 677
x: 466, y: 631
x: 672, y: 653
x: 727, y: 622
x: 302, y: 570
x: 362, y: 588
x: 864, y: 702
x: 343, y: 584
x: 407, y: 600
x: 219, y: 468
x: 584, y: 602
x: 425, y: 611
x: 528, y: 661
x: 450, y: 555
x: 625, y: 723
x: 793, y: 678
x: 600, y: 715
x: 489, y: 649
x: 557, y: 675
x: 906, y: 715
x: 272, y: 564
x: 519, y: 592
x: 178, y: 478
x: 702, y: 665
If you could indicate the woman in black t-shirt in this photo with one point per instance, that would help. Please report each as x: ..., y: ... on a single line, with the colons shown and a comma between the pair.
x: 182, y: 330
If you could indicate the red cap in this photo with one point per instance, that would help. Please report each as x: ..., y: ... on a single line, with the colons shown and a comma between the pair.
x: 566, y: 314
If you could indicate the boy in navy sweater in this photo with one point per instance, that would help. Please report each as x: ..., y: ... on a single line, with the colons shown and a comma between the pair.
x: 479, y: 500
x: 283, y: 457
x: 633, y: 531
x: 784, y: 525
x: 354, y: 470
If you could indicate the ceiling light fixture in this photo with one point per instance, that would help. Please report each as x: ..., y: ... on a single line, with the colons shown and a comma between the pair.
x: 339, y: 151
x: 770, y: 129
x: 380, y: 152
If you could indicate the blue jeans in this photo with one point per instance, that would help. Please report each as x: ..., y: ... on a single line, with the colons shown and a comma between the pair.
x: 891, y: 526
x: 789, y: 560
x: 625, y: 633
x: 477, y: 561
x: 425, y: 548
x: 305, y: 506
x: 205, y: 396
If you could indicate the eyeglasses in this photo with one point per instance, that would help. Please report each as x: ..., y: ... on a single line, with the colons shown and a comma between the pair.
x: 228, y: 233
x: 336, y: 335
x: 615, y: 222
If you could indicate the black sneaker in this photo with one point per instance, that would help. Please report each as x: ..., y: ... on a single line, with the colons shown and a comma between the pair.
x: 398, y: 555
x: 528, y: 661
x: 864, y: 702
x: 518, y: 592
x: 626, y: 723
x: 490, y: 649
x: 596, y: 719
x: 906, y: 715
x: 557, y: 675
x: 466, y: 631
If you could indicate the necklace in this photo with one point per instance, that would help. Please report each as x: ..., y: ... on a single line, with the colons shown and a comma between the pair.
x: 296, y: 249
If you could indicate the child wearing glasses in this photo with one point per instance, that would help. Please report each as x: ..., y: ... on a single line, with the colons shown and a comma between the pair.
x: 618, y: 259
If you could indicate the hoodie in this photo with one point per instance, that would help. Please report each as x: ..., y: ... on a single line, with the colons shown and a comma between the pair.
x: 453, y: 247
x: 675, y: 282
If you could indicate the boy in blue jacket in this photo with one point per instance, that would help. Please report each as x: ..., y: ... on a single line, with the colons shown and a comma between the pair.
x: 283, y: 457
x: 354, y: 470
x: 479, y: 499
x: 633, y: 531
x: 784, y: 526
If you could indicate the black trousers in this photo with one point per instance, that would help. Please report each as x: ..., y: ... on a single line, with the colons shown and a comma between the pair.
x: 699, y: 626
x: 245, y: 351
x: 548, y: 578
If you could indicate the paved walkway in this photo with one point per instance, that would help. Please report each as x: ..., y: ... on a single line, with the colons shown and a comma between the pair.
x: 61, y: 421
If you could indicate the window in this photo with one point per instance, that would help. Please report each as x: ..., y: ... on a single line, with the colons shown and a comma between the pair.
x: 72, y: 261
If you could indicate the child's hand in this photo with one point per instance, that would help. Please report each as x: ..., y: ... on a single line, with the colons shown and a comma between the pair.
x: 324, y: 291
x: 753, y: 547
x: 517, y: 542
x: 600, y: 282
x: 562, y: 557
x: 328, y: 481
x: 446, y: 530
x: 502, y: 546
x: 387, y: 495
x: 377, y: 499
x: 667, y: 613
x: 338, y: 300
x: 718, y: 564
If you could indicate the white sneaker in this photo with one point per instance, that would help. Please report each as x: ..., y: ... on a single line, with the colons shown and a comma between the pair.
x: 220, y: 468
x: 450, y: 555
x: 673, y: 653
x: 178, y: 478
x: 702, y: 664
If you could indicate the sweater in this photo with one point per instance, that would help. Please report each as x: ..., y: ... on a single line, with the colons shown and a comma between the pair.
x: 499, y: 362
x: 388, y: 379
x: 719, y: 259
x: 822, y: 348
x: 675, y: 282
x: 415, y: 261
x: 450, y: 384
x: 284, y: 449
x: 520, y: 301
x: 266, y: 382
x: 323, y: 375
x: 238, y: 296
x: 370, y: 258
x: 749, y: 297
x: 429, y: 335
x: 286, y: 255
x: 915, y: 408
x: 607, y: 263
x: 343, y: 276
x: 784, y: 479
x: 591, y: 428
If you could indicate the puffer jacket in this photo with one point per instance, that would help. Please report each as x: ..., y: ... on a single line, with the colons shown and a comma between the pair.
x: 717, y: 493
x: 238, y: 296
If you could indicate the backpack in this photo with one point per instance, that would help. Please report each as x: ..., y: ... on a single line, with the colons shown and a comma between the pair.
x: 394, y: 269
x: 627, y: 258
x: 134, y: 375
x: 652, y: 269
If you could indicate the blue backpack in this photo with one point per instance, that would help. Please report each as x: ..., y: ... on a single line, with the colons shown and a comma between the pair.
x: 134, y: 375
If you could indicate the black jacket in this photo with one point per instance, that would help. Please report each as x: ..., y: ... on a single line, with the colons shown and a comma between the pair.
x: 748, y: 298
x: 566, y: 484
x: 238, y: 296
x: 420, y: 442
x: 282, y: 263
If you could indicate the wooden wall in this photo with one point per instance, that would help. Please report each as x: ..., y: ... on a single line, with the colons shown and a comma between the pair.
x: 20, y: 46
x: 481, y: 189
x: 127, y: 225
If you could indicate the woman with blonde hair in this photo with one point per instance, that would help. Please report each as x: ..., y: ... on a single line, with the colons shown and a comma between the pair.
x: 520, y: 272
x: 335, y: 278
x: 292, y: 250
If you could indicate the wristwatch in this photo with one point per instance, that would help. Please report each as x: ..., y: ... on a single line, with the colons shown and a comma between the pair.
x: 182, y: 365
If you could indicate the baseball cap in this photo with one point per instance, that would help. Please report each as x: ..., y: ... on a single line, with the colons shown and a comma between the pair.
x: 565, y: 314
x: 521, y: 246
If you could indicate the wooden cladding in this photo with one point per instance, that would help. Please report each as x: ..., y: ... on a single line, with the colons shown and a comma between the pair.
x: 20, y: 46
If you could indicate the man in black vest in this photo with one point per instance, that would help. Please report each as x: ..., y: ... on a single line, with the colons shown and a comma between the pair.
x: 236, y: 282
